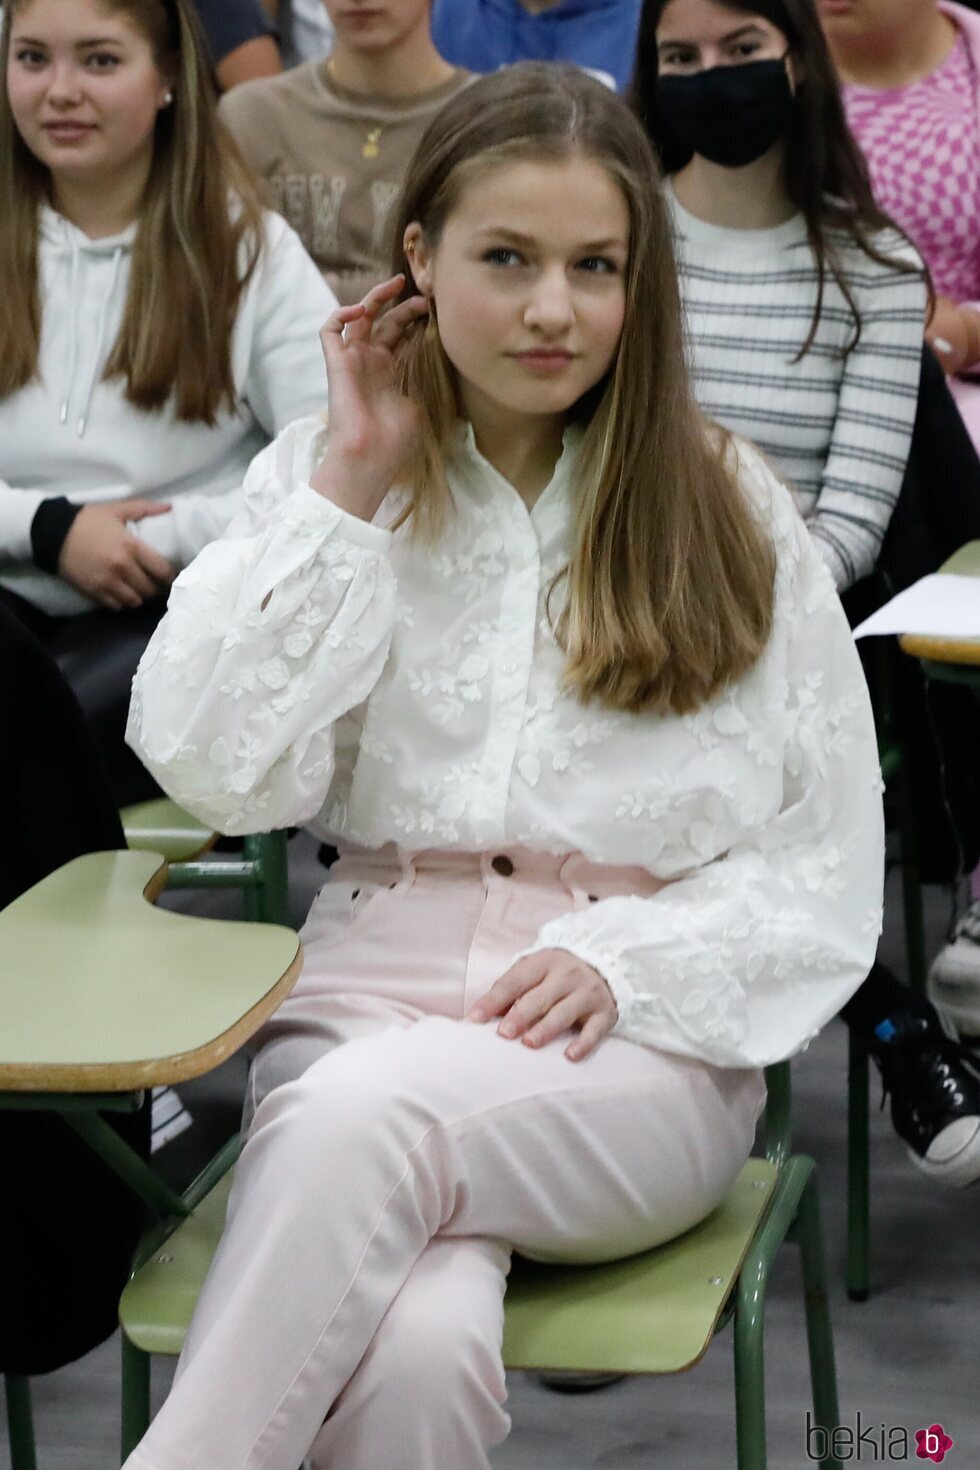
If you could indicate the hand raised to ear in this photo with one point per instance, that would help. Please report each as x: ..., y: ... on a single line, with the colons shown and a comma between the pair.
x: 373, y: 427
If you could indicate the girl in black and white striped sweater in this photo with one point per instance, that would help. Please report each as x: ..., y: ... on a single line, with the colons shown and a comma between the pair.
x: 805, y: 308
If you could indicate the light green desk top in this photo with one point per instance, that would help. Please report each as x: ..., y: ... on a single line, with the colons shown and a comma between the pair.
x: 964, y: 563
x: 101, y: 992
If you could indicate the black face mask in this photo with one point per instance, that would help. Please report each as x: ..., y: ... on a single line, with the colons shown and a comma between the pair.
x: 730, y: 115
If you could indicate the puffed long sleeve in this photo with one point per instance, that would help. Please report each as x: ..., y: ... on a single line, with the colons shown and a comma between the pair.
x: 741, y: 962
x: 271, y: 635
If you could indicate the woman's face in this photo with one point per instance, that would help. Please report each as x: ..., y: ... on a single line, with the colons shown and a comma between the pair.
x: 529, y: 284
x: 84, y: 89
x: 695, y: 35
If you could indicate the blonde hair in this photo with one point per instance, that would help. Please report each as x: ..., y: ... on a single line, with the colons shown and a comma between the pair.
x: 669, y: 590
x: 197, y: 242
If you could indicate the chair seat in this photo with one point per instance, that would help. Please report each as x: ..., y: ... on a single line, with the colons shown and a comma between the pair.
x: 156, y: 1305
x: 652, y: 1313
x: 164, y: 827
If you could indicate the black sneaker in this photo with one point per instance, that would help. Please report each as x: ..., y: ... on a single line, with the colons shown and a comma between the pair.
x: 935, y: 1097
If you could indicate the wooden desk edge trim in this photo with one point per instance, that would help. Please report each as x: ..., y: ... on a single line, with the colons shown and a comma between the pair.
x: 941, y: 650
x: 158, y: 1071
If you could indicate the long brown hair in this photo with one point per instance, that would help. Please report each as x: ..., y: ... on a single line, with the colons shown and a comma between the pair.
x: 824, y: 172
x: 669, y: 591
x: 197, y: 241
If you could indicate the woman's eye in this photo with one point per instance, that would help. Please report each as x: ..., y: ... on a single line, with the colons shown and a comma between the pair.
x: 501, y: 255
x: 28, y: 56
x: 102, y: 61
x: 745, y: 49
x: 599, y: 265
x: 678, y: 60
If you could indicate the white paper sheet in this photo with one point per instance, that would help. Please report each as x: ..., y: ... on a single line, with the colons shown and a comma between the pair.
x: 942, y: 605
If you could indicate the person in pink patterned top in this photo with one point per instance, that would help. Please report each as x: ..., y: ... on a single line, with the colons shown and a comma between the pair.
x: 911, y: 75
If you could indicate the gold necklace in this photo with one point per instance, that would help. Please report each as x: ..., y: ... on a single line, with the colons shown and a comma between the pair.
x: 369, y: 148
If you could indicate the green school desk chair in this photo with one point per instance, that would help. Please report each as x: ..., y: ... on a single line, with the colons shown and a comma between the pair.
x: 652, y: 1313
x: 104, y: 996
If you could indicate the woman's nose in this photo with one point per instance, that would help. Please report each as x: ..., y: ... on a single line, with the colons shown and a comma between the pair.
x: 63, y: 84
x: 550, y: 305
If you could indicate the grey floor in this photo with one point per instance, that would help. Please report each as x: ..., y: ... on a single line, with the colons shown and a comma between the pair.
x: 907, y: 1358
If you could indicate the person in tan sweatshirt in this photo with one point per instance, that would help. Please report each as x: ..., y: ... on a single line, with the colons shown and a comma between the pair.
x: 332, y: 139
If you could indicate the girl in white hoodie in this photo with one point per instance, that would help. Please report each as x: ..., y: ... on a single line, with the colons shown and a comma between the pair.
x: 157, y: 329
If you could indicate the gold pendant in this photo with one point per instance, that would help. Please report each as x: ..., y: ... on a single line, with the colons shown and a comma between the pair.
x: 371, y: 149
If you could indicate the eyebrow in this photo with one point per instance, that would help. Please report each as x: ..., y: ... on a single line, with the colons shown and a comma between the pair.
x: 501, y: 232
x: 732, y: 36
x: 79, y: 45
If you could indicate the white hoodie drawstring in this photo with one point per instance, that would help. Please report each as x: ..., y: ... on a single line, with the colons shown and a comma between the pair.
x: 100, y: 338
x: 73, y: 337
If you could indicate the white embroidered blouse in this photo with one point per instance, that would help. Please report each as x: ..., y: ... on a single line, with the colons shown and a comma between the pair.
x: 316, y: 669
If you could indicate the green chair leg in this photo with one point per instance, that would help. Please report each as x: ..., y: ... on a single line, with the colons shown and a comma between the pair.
x: 750, y: 1368
x: 794, y: 1209
x: 268, y: 901
x: 135, y: 1396
x: 20, y: 1422
x: 858, y: 1173
x: 820, y: 1337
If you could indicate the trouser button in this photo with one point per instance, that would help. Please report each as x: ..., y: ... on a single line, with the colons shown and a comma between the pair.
x: 502, y: 864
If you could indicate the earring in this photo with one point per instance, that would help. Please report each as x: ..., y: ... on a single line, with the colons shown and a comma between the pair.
x: 168, y: 97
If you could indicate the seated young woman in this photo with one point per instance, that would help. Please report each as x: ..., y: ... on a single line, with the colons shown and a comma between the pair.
x: 157, y: 328
x: 556, y: 665
x: 805, y: 311
x: 805, y: 307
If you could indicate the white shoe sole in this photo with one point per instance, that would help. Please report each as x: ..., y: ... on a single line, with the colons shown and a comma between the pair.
x: 953, y: 1159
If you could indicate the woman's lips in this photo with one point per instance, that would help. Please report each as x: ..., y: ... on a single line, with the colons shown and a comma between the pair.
x: 65, y: 132
x: 544, y: 361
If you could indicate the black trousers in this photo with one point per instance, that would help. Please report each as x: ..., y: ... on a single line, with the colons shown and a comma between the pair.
x: 68, y: 1227
x: 97, y: 652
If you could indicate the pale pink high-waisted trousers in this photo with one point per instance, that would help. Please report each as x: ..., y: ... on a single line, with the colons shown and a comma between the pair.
x: 398, y: 1154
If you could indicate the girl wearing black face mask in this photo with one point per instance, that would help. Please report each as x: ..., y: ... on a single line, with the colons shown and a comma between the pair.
x: 805, y: 306
x: 805, y: 310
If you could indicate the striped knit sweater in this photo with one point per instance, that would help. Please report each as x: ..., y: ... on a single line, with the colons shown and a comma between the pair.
x: 837, y: 429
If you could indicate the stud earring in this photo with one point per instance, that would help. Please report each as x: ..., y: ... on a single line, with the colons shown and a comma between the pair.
x: 168, y: 97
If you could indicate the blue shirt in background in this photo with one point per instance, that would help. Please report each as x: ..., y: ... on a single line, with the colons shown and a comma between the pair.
x: 228, y: 24
x: 484, y: 34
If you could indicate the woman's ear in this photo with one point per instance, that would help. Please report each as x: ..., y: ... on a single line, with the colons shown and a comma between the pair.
x: 419, y: 258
